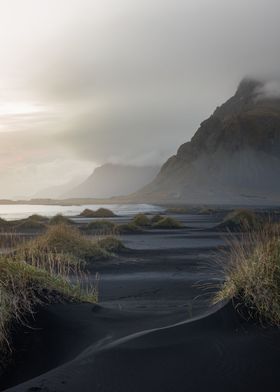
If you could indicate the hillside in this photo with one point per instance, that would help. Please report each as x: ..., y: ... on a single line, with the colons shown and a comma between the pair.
x: 233, y: 157
x: 113, y: 180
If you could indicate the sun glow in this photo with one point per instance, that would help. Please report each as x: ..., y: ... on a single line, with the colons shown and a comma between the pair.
x: 19, y: 108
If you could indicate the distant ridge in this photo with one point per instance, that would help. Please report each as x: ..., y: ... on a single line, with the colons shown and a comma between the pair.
x: 113, y: 180
x: 234, y: 157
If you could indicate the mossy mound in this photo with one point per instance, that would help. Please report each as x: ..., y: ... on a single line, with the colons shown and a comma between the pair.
x: 129, y: 228
x: 104, y: 227
x: 63, y: 240
x: 111, y: 244
x: 168, y: 223
x: 59, y: 219
x: 156, y: 218
x: 206, y: 211
x: 4, y: 223
x: 240, y: 220
x: 38, y: 218
x: 30, y: 225
x: 179, y: 210
x: 141, y: 220
x: 100, y: 213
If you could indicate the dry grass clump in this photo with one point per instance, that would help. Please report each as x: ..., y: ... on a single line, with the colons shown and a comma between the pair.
x: 100, y: 213
x: 60, y: 220
x: 47, y: 269
x: 141, y: 220
x: 206, y: 211
x: 129, y: 228
x: 10, y: 239
x: 156, y: 218
x: 29, y: 225
x: 111, y: 244
x: 60, y: 244
x: 179, y: 210
x: 3, y: 223
x: 102, y: 227
x: 252, y: 274
x: 168, y: 223
x: 240, y: 220
x: 38, y: 218
x: 23, y: 287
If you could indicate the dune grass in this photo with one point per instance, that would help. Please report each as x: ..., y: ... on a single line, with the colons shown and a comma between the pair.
x: 3, y: 223
x: 60, y: 219
x: 156, y: 218
x: 129, y: 228
x: 252, y: 274
x: 101, y: 227
x: 58, y: 243
x: 179, y: 210
x: 206, y: 211
x: 49, y: 268
x: 141, y: 220
x: 111, y: 244
x: 168, y: 223
x: 100, y: 213
x: 241, y: 220
x: 39, y: 272
x: 29, y: 225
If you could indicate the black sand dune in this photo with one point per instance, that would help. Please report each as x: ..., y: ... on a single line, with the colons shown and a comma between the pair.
x: 217, y: 352
x: 154, y: 330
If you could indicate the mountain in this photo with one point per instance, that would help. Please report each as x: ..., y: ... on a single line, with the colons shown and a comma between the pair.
x: 234, y: 157
x: 113, y: 180
x: 55, y: 192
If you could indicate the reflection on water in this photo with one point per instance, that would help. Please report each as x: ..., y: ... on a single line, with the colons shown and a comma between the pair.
x: 20, y: 211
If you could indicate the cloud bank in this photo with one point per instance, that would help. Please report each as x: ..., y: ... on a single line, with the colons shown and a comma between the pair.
x: 120, y: 81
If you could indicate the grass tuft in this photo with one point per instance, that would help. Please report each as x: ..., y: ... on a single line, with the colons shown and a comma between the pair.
x: 240, y: 220
x: 60, y: 220
x: 168, y: 223
x: 156, y: 218
x: 60, y: 242
x: 141, y: 220
x: 252, y: 274
x: 101, y: 227
x: 100, y: 213
x: 111, y: 244
x: 129, y: 228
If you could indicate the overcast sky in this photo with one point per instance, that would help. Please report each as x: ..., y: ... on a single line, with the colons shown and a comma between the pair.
x: 84, y: 82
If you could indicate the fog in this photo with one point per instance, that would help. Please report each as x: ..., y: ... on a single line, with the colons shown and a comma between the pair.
x: 84, y: 82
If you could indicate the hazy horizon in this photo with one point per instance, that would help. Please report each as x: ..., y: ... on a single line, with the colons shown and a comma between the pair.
x: 85, y: 82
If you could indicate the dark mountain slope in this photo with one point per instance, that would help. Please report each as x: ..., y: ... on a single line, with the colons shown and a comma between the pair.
x: 233, y: 157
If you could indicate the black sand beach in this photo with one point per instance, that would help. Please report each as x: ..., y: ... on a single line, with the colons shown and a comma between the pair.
x: 154, y: 328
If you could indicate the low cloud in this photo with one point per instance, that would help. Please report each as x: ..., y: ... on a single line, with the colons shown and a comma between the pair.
x: 122, y: 81
x: 270, y: 89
